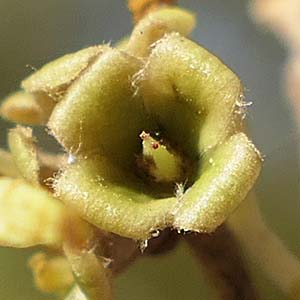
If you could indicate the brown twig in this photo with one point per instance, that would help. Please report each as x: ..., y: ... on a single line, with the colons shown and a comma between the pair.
x: 123, y: 252
x: 165, y: 242
x: 220, y: 255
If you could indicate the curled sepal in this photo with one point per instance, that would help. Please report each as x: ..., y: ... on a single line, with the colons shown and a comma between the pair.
x: 112, y: 199
x: 27, y: 108
x: 99, y: 113
x: 51, y: 274
x: 90, y: 274
x: 29, y: 216
x: 116, y: 201
x: 54, y: 78
x: 191, y: 93
x: 155, y: 25
x: 24, y: 152
x: 225, y: 179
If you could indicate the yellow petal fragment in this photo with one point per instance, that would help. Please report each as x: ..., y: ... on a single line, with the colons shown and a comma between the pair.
x: 51, y: 274
x: 90, y: 274
x: 29, y: 216
x: 75, y: 231
x: 191, y: 93
x: 155, y: 25
x: 7, y: 165
x: 23, y: 148
x: 27, y: 108
x: 122, y: 43
x: 54, y: 78
x: 99, y: 114
x: 52, y: 161
x: 111, y: 199
x: 226, y: 178
x: 140, y: 8
x: 76, y: 294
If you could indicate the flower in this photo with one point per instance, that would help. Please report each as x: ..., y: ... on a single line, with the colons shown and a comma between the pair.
x: 154, y: 135
x: 178, y: 89
x: 106, y: 97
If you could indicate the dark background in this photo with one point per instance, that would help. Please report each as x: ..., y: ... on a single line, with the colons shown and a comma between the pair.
x: 33, y: 32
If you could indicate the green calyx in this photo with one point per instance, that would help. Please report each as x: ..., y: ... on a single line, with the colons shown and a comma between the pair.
x: 133, y: 184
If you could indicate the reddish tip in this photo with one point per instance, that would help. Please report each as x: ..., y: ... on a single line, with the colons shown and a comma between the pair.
x: 155, y: 146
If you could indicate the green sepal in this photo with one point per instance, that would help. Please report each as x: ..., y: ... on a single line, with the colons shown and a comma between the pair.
x: 24, y: 152
x: 54, y: 77
x: 112, y: 199
x: 155, y: 25
x: 27, y: 108
x: 100, y: 114
x: 191, y: 94
x: 225, y: 179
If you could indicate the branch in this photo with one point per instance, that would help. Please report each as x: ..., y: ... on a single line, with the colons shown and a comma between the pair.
x: 220, y: 255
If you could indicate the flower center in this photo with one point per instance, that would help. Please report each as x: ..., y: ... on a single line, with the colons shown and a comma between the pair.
x: 159, y: 161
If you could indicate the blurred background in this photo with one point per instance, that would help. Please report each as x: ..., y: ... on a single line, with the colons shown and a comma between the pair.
x: 34, y: 32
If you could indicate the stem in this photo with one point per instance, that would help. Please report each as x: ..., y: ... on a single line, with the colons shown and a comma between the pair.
x: 220, y: 255
x: 7, y: 165
x: 90, y: 274
x: 122, y: 252
x: 263, y: 245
